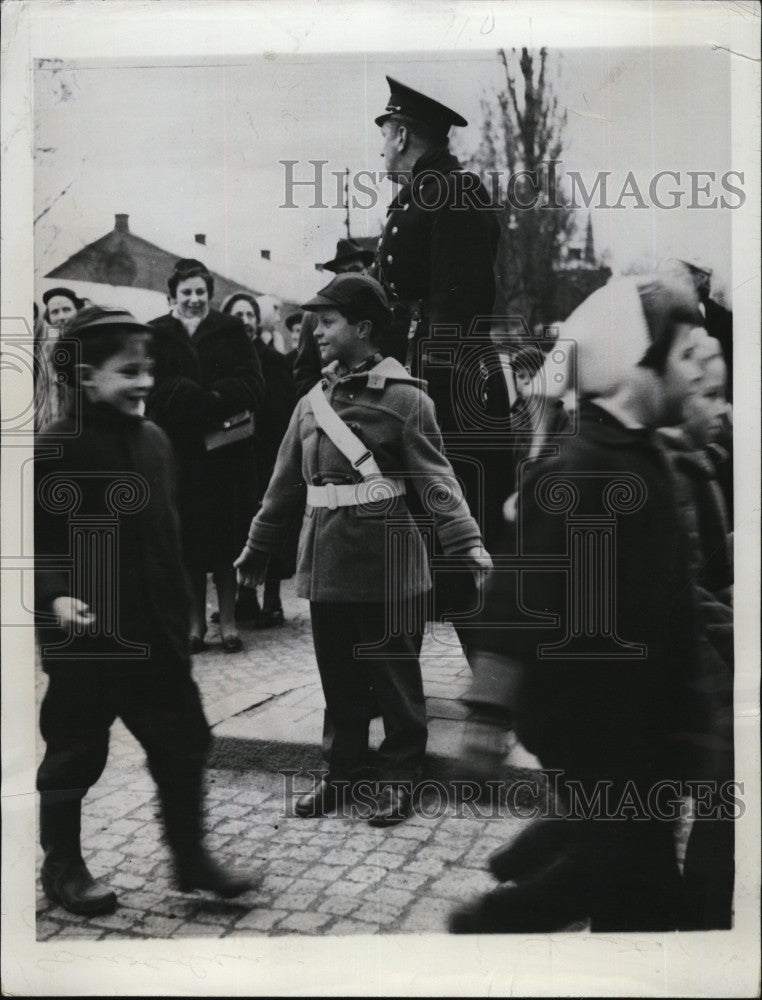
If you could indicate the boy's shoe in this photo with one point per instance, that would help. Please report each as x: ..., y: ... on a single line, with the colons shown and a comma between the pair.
x: 394, y: 806
x: 322, y: 801
x: 201, y: 871
x: 72, y: 886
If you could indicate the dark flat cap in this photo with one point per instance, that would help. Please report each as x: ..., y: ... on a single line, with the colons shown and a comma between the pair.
x: 403, y: 100
x: 350, y: 291
x: 104, y: 319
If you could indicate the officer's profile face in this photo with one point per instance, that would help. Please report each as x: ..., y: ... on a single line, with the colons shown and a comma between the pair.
x: 338, y: 339
x: 392, y: 148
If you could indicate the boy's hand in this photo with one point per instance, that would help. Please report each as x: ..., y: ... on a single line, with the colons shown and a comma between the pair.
x: 251, y: 567
x: 482, y: 563
x: 72, y: 611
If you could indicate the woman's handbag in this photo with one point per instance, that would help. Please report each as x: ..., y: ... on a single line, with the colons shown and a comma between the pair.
x: 236, y: 428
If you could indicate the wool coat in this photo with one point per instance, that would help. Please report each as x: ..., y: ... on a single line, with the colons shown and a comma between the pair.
x: 344, y: 553
x: 603, y: 714
x: 113, y: 477
x: 201, y: 381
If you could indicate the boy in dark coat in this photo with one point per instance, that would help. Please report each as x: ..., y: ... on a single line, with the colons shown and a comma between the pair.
x: 112, y: 603
x: 360, y: 596
x: 604, y: 692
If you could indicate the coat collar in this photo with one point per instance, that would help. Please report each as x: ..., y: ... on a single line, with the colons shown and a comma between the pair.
x: 387, y: 370
x: 437, y: 160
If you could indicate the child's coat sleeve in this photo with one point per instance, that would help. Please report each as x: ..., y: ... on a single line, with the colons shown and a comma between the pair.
x: 286, y: 493
x: 434, y: 479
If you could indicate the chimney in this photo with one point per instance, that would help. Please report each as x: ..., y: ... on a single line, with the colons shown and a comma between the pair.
x: 200, y: 238
x: 120, y: 223
x: 264, y: 254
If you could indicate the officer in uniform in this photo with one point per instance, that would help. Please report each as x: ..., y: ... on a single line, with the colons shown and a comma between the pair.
x: 436, y: 260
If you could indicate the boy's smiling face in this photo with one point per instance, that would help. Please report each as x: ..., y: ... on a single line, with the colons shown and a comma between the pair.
x: 124, y: 380
x: 339, y: 340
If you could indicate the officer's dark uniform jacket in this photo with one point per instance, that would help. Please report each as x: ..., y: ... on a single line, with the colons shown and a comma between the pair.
x: 437, y: 265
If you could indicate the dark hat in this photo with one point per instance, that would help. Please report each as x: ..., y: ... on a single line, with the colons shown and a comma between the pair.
x: 347, y: 250
x: 293, y: 318
x: 65, y: 293
x: 404, y: 100
x: 351, y: 291
x: 100, y: 319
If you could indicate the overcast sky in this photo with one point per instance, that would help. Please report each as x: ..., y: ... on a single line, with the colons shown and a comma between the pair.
x: 190, y: 146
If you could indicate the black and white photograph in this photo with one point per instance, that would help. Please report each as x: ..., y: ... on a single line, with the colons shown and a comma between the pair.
x: 380, y: 440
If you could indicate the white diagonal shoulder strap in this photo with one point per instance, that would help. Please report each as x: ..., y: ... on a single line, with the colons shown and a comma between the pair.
x: 348, y: 443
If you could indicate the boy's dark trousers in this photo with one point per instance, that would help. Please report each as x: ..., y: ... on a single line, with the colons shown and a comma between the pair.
x: 355, y: 681
x: 159, y: 703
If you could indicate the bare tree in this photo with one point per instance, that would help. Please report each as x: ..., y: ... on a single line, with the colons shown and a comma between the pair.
x: 522, y: 141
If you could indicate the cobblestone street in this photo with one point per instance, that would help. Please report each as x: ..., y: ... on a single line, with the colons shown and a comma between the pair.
x: 330, y: 876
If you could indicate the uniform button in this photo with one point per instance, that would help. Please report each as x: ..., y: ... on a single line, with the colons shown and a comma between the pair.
x: 406, y: 206
x: 395, y: 230
x: 380, y: 241
x: 389, y: 259
x: 392, y: 286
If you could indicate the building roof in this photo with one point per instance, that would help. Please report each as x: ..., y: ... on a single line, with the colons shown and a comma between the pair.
x: 122, y: 258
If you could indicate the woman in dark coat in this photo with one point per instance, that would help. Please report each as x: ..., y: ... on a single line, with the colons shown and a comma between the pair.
x: 206, y: 372
x: 274, y: 416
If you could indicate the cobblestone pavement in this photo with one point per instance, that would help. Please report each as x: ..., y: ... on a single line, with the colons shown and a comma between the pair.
x: 326, y: 876
x: 314, y: 876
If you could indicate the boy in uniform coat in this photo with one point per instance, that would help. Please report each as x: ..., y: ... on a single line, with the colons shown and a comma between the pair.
x: 358, y: 594
x: 114, y: 634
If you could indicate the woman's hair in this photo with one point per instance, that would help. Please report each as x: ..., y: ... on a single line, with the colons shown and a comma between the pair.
x: 189, y: 268
x: 64, y: 293
x: 231, y: 300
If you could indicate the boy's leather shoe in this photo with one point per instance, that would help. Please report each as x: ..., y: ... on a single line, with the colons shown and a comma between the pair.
x: 322, y: 801
x: 72, y: 886
x: 394, y: 806
x: 200, y: 871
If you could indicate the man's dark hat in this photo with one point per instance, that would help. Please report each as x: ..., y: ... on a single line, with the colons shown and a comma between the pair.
x: 403, y: 100
x: 351, y: 291
x: 347, y: 250
x: 293, y: 318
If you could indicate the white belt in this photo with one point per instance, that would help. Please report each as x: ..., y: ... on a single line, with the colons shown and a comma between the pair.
x: 355, y: 494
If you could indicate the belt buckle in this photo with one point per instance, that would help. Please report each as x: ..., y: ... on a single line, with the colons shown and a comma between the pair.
x: 331, y: 496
